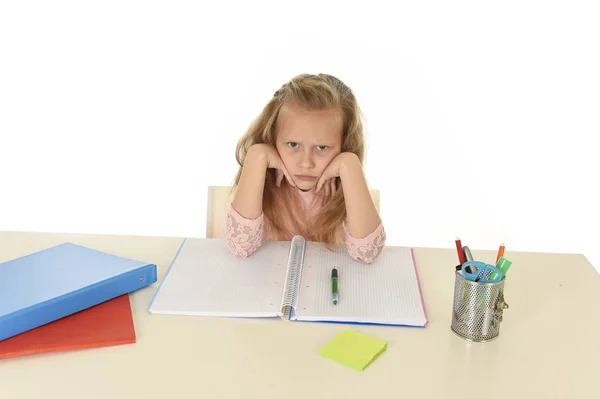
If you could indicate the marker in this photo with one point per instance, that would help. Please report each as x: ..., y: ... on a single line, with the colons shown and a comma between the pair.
x: 334, y: 286
x: 461, y: 254
x: 500, y: 252
x: 503, y: 264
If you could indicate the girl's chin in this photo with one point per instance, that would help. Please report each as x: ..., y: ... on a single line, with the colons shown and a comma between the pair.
x: 306, y: 186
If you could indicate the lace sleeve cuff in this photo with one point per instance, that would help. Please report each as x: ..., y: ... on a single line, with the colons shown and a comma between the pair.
x: 243, y: 236
x: 366, y: 249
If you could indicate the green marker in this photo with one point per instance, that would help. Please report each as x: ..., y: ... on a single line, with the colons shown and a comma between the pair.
x: 334, y: 285
x: 503, y: 264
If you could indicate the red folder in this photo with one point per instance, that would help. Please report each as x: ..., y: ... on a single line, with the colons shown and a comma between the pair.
x: 107, y: 324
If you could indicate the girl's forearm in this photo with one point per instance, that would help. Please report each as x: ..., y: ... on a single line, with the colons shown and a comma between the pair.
x: 362, y: 215
x: 249, y: 194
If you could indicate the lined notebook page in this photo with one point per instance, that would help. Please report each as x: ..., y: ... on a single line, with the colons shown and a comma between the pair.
x: 385, y: 291
x: 207, y: 279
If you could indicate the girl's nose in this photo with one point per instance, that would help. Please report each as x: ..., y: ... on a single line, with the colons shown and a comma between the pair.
x: 307, y: 161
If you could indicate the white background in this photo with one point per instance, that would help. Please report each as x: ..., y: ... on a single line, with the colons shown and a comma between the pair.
x: 482, y: 117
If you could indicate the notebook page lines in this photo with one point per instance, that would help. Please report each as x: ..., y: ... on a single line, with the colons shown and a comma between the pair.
x: 385, y: 291
x: 207, y: 279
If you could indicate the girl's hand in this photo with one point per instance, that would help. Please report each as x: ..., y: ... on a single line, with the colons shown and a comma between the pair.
x: 269, y: 154
x: 330, y: 174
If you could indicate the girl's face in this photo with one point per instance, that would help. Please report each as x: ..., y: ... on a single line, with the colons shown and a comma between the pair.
x: 307, y: 141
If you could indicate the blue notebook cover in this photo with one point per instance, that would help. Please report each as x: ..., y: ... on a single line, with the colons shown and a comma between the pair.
x: 56, y: 282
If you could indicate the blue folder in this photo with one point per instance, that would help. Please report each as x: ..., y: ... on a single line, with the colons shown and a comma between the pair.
x: 56, y: 282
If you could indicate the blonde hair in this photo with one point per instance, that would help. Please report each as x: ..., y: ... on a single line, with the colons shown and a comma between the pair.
x: 315, y: 92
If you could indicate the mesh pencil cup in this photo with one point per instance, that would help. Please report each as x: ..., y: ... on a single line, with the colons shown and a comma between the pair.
x: 477, y: 309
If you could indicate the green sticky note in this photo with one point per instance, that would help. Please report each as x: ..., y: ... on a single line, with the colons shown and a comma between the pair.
x: 353, y: 349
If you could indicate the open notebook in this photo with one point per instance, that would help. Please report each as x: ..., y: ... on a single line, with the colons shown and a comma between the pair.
x: 291, y: 280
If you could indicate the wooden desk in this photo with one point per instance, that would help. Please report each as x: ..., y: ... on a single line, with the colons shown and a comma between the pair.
x: 549, y: 342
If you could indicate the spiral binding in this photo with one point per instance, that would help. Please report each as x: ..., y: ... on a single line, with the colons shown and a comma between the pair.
x: 289, y: 299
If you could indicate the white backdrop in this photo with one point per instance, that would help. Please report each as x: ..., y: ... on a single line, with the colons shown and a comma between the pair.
x: 481, y: 117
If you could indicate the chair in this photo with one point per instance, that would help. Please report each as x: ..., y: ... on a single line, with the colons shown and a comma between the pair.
x: 219, y: 198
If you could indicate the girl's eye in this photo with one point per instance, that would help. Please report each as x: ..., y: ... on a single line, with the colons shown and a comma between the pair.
x: 292, y: 144
x: 322, y: 147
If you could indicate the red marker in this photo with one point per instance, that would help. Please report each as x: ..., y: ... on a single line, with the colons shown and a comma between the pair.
x: 459, y: 249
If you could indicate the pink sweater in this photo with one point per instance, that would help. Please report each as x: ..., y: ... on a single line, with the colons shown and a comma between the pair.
x: 244, y: 236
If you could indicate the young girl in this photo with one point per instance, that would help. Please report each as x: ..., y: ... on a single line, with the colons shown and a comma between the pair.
x: 301, y: 173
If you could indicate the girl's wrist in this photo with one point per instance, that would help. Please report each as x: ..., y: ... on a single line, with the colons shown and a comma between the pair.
x: 256, y: 157
x: 349, y: 164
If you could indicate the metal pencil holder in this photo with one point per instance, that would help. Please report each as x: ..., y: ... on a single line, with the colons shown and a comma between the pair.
x: 477, y: 309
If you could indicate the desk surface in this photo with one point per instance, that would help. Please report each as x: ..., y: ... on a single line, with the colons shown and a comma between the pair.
x: 549, y: 342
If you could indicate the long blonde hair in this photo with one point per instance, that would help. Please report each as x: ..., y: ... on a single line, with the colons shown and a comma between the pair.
x: 315, y: 92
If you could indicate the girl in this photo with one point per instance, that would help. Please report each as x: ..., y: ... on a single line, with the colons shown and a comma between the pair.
x: 301, y: 173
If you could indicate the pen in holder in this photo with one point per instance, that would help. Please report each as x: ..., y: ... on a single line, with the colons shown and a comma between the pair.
x: 478, y: 307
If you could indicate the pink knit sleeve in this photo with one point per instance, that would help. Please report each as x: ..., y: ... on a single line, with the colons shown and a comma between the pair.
x: 366, y: 249
x: 243, y: 236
